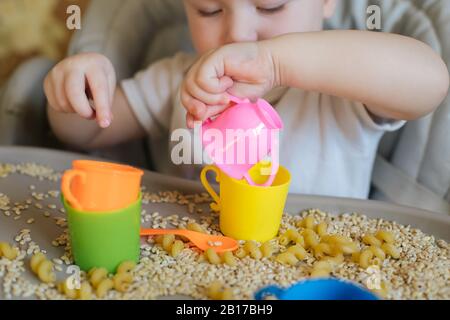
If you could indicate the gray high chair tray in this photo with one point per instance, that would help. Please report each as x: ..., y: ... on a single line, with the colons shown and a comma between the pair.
x: 44, y: 230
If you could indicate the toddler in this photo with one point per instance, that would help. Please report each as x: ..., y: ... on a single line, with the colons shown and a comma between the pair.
x: 337, y: 92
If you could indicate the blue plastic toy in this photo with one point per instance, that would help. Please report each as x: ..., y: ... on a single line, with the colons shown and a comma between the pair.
x: 319, y: 289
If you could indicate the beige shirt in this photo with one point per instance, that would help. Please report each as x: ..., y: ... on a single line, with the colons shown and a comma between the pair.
x: 328, y: 143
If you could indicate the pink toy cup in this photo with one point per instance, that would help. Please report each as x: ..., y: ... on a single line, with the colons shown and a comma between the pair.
x: 241, y: 137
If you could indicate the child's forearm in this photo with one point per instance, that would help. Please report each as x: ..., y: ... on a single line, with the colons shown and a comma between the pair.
x: 395, y: 77
x: 87, y: 135
x: 71, y: 129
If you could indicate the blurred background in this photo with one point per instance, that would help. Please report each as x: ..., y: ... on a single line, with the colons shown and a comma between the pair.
x: 33, y: 28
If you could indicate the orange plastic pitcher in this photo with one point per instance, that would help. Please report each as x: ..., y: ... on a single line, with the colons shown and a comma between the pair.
x: 101, y: 186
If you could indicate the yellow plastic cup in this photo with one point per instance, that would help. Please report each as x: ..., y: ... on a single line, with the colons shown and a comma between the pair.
x: 249, y: 212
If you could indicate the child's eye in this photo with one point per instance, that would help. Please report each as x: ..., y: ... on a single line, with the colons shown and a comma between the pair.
x: 209, y: 13
x: 272, y: 10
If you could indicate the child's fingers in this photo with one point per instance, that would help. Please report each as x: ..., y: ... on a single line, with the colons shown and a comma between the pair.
x: 57, y: 80
x: 98, y: 85
x: 49, y: 93
x: 212, y: 78
x: 111, y: 76
x: 213, y: 83
x: 212, y: 111
x: 195, y: 107
x: 191, y: 87
x: 190, y: 121
x: 247, y: 90
x: 225, y: 82
x: 198, y: 110
x: 75, y: 91
x: 206, y: 97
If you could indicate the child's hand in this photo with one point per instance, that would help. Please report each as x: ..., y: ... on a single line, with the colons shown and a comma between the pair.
x: 70, y: 83
x: 244, y: 70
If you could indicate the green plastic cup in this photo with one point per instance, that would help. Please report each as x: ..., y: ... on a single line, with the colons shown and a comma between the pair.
x: 104, y: 239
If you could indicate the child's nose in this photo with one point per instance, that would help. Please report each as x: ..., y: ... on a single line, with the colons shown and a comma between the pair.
x: 241, y: 30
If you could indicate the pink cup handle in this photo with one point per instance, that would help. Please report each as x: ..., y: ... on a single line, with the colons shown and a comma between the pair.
x: 275, y: 166
x: 270, y: 112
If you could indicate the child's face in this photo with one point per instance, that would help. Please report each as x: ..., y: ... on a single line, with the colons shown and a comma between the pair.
x: 214, y: 23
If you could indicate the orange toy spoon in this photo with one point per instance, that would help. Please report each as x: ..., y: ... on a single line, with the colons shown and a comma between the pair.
x: 200, y: 240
